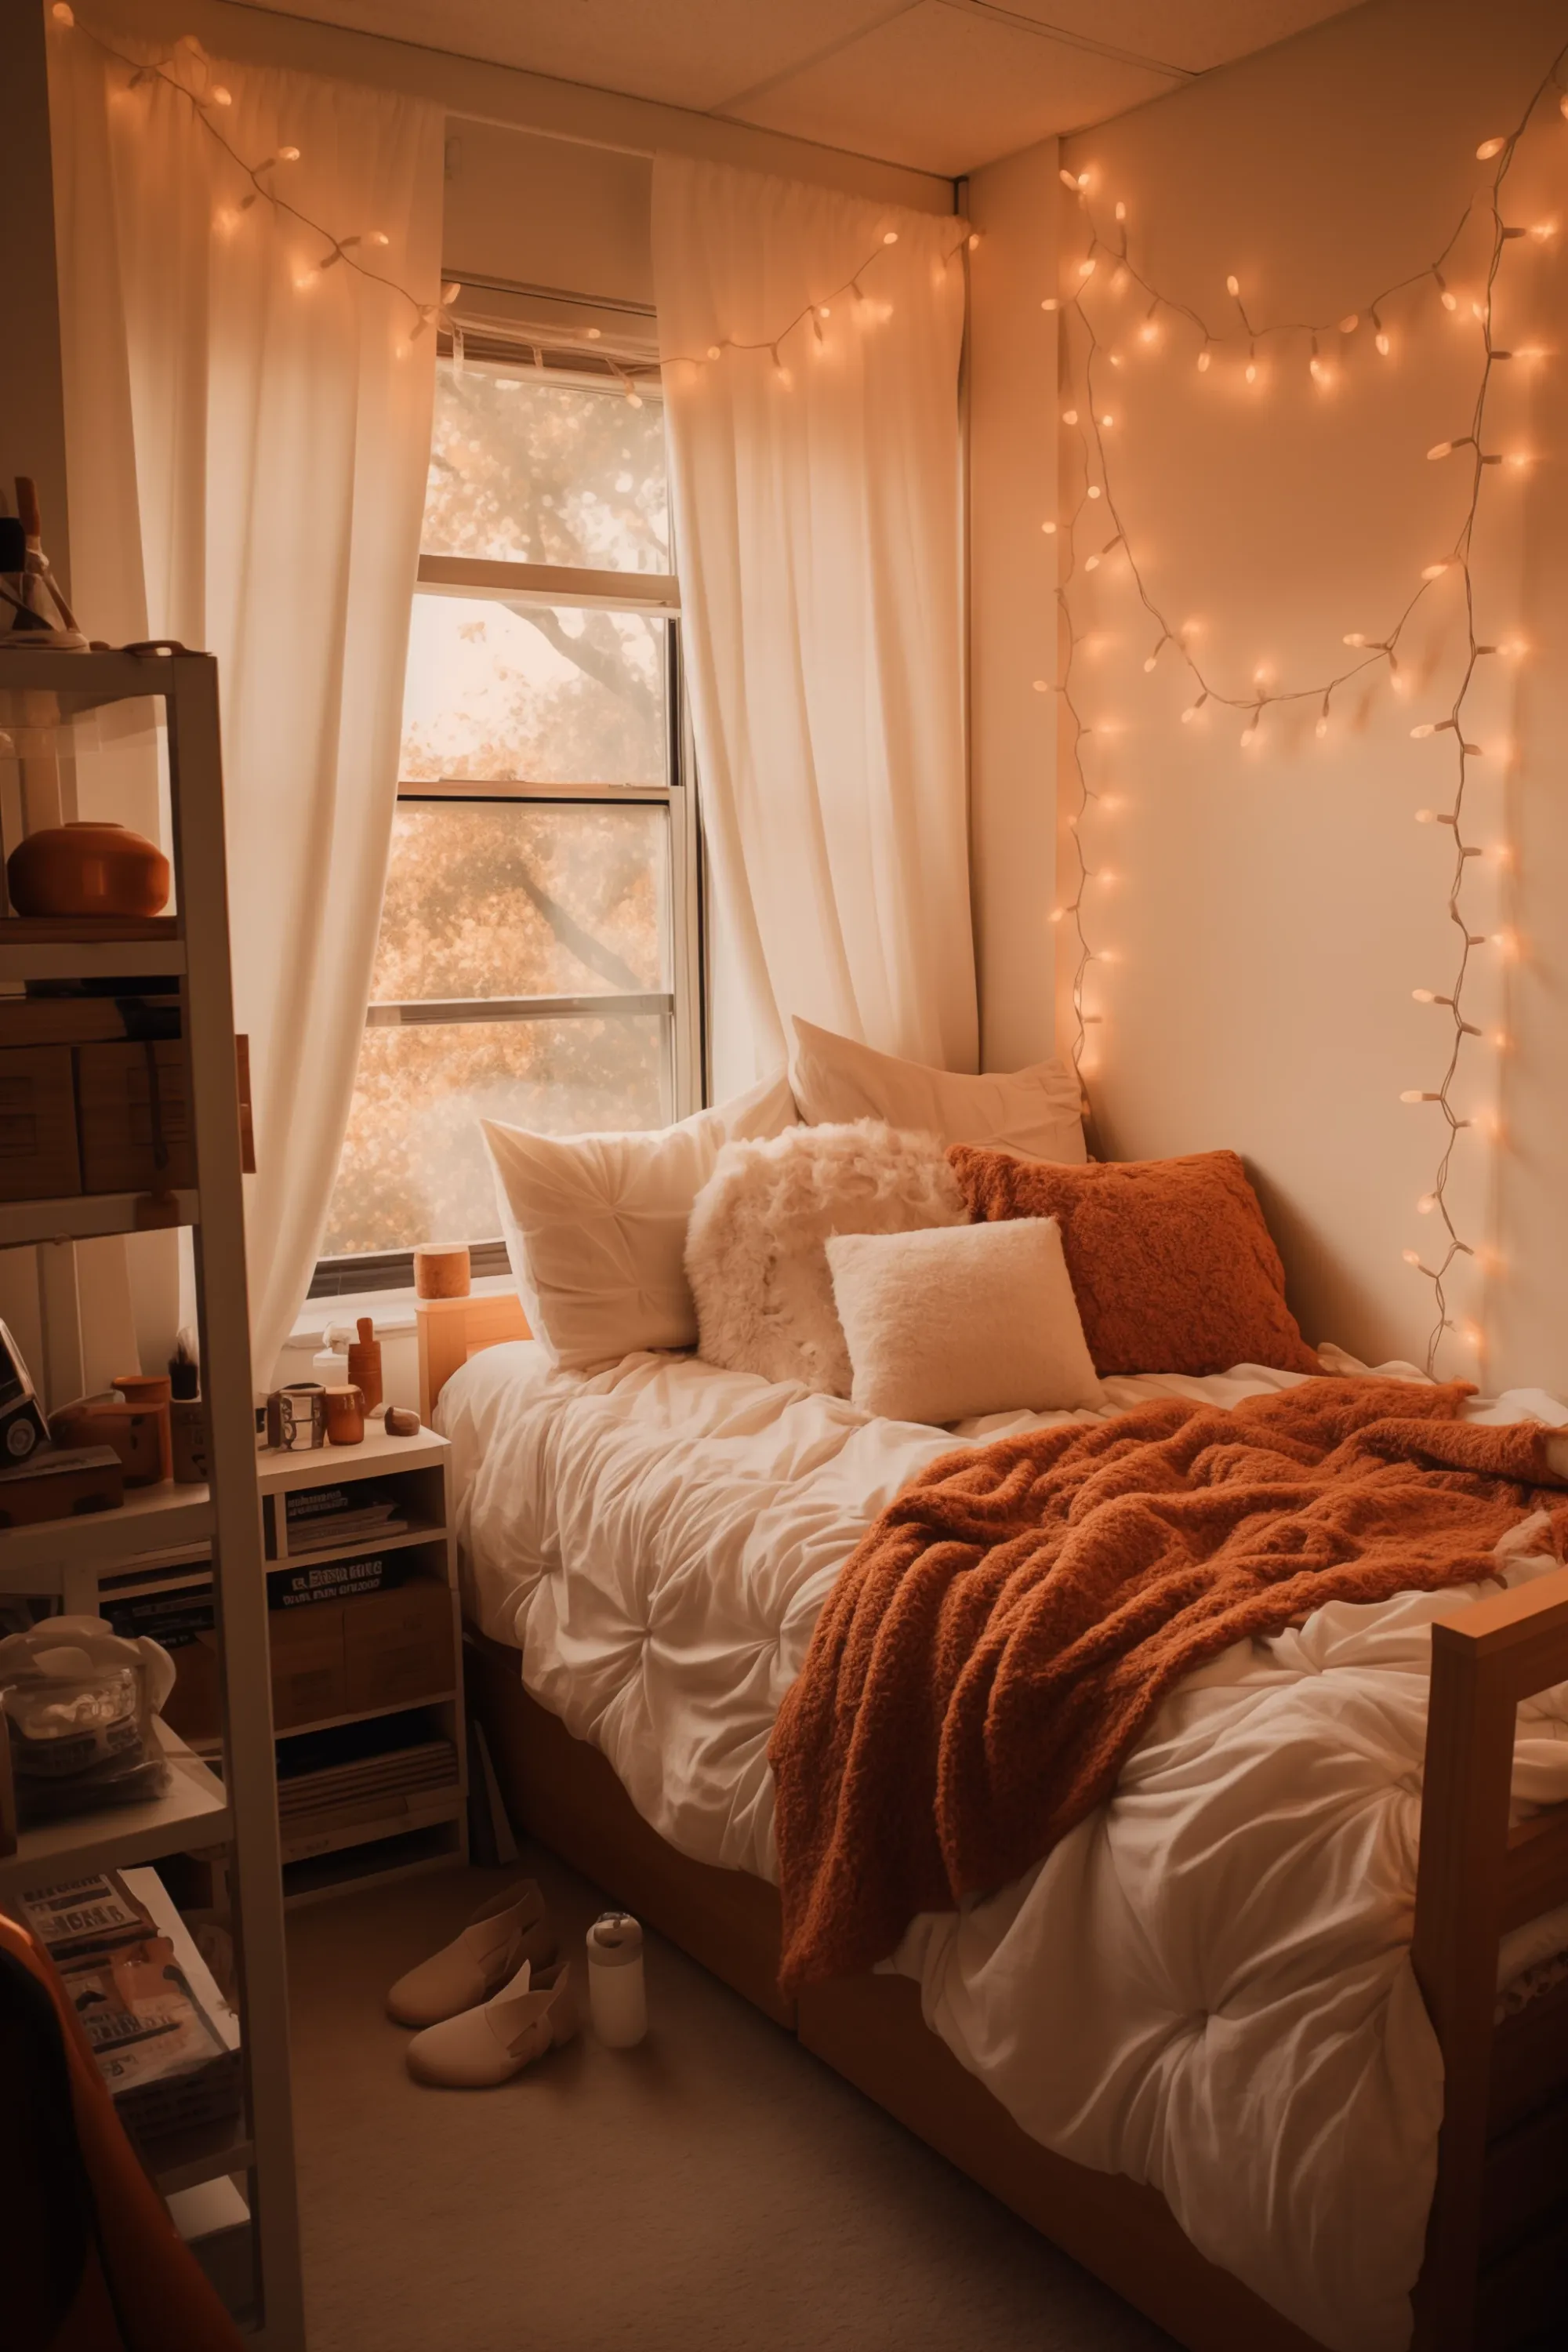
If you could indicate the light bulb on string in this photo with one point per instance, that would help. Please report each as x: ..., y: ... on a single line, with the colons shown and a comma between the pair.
x: 1205, y: 358
x: 1086, y: 266
x: 1093, y: 491
x: 1315, y: 368
x: 1233, y: 286
x: 1436, y: 572
x: 1051, y: 302
x: 1322, y: 729
x: 1380, y: 337
x: 1488, y: 148
x: 1251, y: 368
x: 890, y: 236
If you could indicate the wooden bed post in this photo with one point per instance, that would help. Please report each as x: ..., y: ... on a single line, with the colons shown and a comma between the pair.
x: 452, y: 1329
x: 1477, y: 1879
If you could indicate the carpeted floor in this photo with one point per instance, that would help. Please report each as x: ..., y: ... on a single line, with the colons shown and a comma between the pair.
x: 714, y: 2191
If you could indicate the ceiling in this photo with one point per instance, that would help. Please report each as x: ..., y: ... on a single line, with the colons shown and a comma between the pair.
x: 942, y: 85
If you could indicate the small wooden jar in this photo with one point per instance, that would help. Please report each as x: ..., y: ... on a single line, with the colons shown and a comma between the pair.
x: 345, y: 1415
x: 441, y: 1270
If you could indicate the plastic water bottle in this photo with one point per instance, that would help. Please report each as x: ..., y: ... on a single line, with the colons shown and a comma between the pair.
x: 617, y: 2000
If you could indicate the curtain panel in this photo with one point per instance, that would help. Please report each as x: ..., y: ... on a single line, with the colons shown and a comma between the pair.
x: 817, y: 516
x: 248, y: 438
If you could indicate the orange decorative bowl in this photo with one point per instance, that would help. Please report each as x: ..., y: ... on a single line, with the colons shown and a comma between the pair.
x: 88, y: 869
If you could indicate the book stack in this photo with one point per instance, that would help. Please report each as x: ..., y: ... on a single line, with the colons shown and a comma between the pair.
x: 321, y: 1518
x: 330, y: 1783
x: 165, y: 2042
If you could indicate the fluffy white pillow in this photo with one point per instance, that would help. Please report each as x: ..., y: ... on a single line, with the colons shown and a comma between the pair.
x: 943, y: 1326
x: 1037, y: 1112
x: 595, y: 1224
x: 756, y: 1248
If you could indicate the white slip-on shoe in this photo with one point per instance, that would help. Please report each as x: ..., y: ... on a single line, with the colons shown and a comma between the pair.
x: 535, y: 2013
x: 511, y: 1927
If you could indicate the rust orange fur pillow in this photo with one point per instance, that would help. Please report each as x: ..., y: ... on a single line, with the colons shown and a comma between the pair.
x: 1172, y: 1265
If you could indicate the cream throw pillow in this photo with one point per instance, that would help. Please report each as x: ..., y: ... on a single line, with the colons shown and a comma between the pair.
x: 755, y: 1251
x: 943, y: 1326
x: 1036, y: 1111
x: 595, y: 1224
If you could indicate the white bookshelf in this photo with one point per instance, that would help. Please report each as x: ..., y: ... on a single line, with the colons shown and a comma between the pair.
x: 235, y: 1809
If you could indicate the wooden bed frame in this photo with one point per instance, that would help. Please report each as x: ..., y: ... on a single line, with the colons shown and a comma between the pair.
x: 1495, y: 2277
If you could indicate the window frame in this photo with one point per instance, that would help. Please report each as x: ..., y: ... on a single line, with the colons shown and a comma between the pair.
x: 481, y: 579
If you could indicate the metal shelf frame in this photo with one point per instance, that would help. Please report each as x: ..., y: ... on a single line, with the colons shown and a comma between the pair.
x: 230, y: 1512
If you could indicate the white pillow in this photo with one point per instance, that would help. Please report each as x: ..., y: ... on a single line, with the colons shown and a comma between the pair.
x: 1037, y: 1111
x: 595, y: 1224
x: 756, y: 1248
x: 945, y: 1326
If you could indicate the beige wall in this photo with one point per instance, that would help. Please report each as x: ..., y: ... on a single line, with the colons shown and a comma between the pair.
x: 1277, y: 908
x: 1012, y: 373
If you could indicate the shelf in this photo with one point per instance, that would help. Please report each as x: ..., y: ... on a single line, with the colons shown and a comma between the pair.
x: 48, y: 947
x: 366, y: 1715
x: 184, y: 2160
x: 329, y: 1465
x: 193, y: 1813
x: 36, y: 1560
x: 82, y: 1216
x: 418, y: 1812
x: 405, y: 1541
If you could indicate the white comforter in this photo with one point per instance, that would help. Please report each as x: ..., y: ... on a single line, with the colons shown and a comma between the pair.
x: 1208, y: 1984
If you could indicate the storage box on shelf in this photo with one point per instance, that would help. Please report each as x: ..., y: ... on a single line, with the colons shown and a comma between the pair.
x: 48, y: 698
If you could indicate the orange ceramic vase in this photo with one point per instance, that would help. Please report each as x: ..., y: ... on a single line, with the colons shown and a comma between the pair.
x: 88, y: 869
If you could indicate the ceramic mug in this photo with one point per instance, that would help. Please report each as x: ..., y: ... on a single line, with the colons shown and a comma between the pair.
x: 345, y: 1414
x: 297, y: 1417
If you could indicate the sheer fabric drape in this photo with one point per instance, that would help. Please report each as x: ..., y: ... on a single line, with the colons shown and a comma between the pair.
x: 817, y: 524
x: 247, y: 437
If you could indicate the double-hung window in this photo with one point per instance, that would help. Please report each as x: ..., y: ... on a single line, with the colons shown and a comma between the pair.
x: 539, y: 959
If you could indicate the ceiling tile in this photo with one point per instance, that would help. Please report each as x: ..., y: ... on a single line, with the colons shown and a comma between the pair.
x: 691, y: 53
x: 947, y: 88
x: 1191, y: 33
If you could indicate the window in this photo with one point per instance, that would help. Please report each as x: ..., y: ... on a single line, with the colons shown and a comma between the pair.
x: 539, y: 959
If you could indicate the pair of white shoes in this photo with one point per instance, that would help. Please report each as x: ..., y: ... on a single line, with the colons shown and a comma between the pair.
x: 492, y: 2000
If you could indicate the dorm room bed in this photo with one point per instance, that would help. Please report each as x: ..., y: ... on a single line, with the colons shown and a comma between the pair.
x: 1473, y: 2113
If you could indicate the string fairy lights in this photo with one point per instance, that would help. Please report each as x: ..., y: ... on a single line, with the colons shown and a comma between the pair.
x: 204, y: 94
x: 1373, y: 653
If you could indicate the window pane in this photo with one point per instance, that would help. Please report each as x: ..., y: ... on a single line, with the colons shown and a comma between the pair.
x: 523, y: 898
x: 414, y: 1167
x: 533, y: 694
x: 526, y: 469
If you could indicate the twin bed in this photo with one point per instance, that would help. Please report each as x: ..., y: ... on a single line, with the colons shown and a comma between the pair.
x: 1274, y: 2041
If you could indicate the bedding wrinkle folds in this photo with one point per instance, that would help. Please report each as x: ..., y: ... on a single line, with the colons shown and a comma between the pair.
x: 1003, y: 1636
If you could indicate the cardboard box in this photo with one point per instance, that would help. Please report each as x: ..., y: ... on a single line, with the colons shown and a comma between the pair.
x: 133, y: 1114
x: 308, y: 1677
x: 37, y: 1124
x: 398, y: 1645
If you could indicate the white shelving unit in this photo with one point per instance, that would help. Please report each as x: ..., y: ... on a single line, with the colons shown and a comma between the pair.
x: 67, y: 1558
x: 373, y: 1840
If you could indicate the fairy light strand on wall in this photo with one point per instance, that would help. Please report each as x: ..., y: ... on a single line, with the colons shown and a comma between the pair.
x: 1092, y: 419
x: 212, y: 99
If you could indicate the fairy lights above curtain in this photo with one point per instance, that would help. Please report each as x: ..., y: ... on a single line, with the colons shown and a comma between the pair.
x: 1252, y: 348
x: 188, y: 71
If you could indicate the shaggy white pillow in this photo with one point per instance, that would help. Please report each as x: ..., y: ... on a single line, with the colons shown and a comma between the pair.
x: 1037, y: 1111
x: 755, y: 1249
x: 945, y: 1326
x: 595, y: 1224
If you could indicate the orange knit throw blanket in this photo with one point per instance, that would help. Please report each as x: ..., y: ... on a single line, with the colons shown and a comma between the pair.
x: 1000, y: 1639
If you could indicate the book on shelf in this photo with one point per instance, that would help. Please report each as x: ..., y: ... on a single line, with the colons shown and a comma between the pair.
x: 165, y: 2040
x: 306, y: 1505
x: 354, y: 1526
x: 336, y: 1579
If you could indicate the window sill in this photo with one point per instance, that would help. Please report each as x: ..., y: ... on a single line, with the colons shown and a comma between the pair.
x: 391, y: 1310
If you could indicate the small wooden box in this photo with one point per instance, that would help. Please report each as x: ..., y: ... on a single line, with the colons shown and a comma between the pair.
x: 398, y: 1645
x: 133, y: 1112
x: 37, y: 1123
x: 307, y: 1678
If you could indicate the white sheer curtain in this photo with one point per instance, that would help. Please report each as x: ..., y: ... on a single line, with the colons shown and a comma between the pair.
x: 247, y: 437
x: 818, y: 520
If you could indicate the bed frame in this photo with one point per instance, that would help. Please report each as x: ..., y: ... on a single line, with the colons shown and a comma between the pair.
x: 1495, y: 2278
